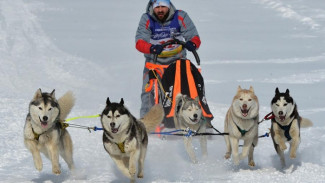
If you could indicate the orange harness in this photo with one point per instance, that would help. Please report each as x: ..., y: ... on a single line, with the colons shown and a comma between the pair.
x: 159, y: 69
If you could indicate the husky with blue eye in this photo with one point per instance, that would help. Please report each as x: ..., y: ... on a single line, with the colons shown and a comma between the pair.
x: 241, y: 122
x: 43, y: 131
x: 286, y: 124
x: 125, y: 138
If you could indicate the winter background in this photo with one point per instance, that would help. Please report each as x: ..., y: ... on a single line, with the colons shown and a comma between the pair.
x: 88, y: 47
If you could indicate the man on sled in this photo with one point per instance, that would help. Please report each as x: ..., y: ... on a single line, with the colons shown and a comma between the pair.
x: 162, y: 23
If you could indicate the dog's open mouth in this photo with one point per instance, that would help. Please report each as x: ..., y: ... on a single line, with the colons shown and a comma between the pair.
x: 43, y: 123
x: 282, y: 118
x: 244, y: 112
x: 195, y: 120
x: 115, y: 130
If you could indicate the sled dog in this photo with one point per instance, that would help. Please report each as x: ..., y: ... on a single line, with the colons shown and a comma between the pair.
x: 286, y: 124
x: 43, y: 131
x: 125, y: 138
x: 188, y: 115
x: 241, y: 122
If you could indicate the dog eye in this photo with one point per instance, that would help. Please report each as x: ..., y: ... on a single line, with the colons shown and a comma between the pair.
x: 40, y: 108
x: 117, y: 116
x: 241, y: 99
x: 50, y: 109
x: 277, y: 104
x: 108, y: 116
x: 285, y: 104
x: 249, y: 99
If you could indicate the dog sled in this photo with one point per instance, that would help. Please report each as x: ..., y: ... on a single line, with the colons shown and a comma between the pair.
x: 181, y: 76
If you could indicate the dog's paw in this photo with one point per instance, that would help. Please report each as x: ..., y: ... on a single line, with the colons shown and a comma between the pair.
x: 251, y: 163
x: 38, y: 165
x: 132, y: 171
x: 140, y: 175
x: 293, y: 155
x: 56, y: 171
x: 227, y: 155
x: 195, y: 161
x: 283, y: 147
x: 236, y: 160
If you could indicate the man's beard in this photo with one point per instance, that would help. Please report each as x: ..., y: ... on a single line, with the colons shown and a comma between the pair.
x: 162, y: 19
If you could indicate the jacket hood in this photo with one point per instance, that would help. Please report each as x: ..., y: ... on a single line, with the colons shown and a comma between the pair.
x: 149, y: 10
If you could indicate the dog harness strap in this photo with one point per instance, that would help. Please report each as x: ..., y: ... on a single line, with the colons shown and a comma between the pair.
x: 36, y: 136
x: 121, y: 146
x: 243, y: 132
x: 286, y: 130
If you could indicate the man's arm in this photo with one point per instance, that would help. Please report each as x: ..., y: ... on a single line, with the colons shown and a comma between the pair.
x: 143, y: 35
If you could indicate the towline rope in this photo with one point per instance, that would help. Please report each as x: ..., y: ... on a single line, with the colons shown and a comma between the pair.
x: 64, y: 124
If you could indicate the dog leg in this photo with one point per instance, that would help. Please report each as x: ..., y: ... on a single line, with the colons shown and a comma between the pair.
x: 251, y: 152
x: 53, y: 152
x: 204, y: 148
x: 141, y: 162
x: 234, y: 146
x: 294, y: 144
x: 246, y: 148
x: 281, y: 155
x: 66, y: 149
x: 228, y: 153
x: 134, y: 158
x: 189, y: 148
x: 121, y: 166
x: 32, y: 147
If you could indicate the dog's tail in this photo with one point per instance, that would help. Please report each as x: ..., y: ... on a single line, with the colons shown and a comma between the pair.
x: 66, y: 102
x: 153, y: 118
x: 305, y: 123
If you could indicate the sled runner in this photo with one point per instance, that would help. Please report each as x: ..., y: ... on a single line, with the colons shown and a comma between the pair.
x: 181, y: 76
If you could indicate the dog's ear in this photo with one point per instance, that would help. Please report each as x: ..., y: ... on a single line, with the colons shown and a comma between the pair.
x: 38, y: 94
x: 53, y: 93
x: 251, y: 89
x: 122, y: 101
x: 108, y: 102
x: 197, y: 99
x: 239, y: 89
x: 287, y: 92
x: 277, y: 91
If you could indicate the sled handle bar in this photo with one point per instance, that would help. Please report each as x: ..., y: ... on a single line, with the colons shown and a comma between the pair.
x: 176, y: 41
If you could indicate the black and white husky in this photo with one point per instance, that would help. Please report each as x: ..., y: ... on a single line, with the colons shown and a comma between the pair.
x: 43, y: 131
x: 125, y: 138
x: 188, y: 115
x: 286, y: 124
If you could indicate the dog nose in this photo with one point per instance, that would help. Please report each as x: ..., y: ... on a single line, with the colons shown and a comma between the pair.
x: 45, y: 118
x: 195, y: 116
x: 112, y: 124
x: 280, y: 112
x: 244, y: 106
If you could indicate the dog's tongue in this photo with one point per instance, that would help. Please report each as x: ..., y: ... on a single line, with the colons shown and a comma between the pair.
x: 244, y: 112
x: 44, y: 124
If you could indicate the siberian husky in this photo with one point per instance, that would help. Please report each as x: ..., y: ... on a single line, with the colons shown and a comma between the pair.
x: 188, y: 115
x: 241, y: 122
x: 125, y: 138
x: 286, y: 124
x: 43, y: 132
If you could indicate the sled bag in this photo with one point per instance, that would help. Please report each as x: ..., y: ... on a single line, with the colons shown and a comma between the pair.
x: 182, y: 77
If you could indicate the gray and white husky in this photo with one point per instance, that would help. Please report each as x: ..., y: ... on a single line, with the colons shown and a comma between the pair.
x: 43, y: 132
x: 286, y: 124
x: 241, y: 123
x: 188, y: 115
x: 125, y: 138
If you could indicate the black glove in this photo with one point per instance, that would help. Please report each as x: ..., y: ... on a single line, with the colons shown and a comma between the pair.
x: 190, y: 46
x: 156, y: 49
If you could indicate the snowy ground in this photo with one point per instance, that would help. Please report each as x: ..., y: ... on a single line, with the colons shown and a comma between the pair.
x: 89, y: 48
